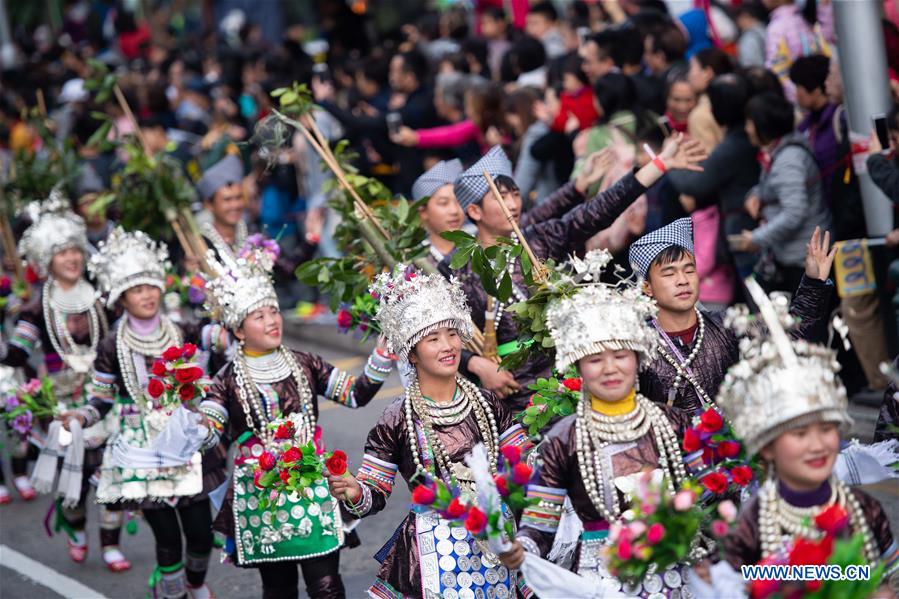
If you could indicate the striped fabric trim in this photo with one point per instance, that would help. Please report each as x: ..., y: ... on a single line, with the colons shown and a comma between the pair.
x: 515, y: 436
x: 25, y: 336
x: 103, y: 386
x: 693, y: 462
x: 340, y: 388
x: 377, y: 473
x: 890, y: 559
x: 545, y: 515
x: 378, y: 368
x: 382, y: 590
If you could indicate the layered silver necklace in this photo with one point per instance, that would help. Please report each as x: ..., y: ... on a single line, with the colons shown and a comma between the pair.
x: 682, y: 368
x: 58, y: 305
x: 131, y: 346
x: 778, y: 518
x: 268, y: 368
x: 251, y: 402
x: 595, y: 432
x: 223, y: 247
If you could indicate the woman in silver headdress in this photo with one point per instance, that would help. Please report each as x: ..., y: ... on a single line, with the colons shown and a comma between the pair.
x: 65, y: 320
x: 595, y: 456
x: 426, y: 435
x: 266, y: 381
x: 788, y: 405
x: 130, y: 269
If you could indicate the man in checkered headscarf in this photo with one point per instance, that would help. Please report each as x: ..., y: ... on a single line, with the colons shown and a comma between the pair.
x: 695, y: 348
x: 554, y: 229
x: 441, y: 211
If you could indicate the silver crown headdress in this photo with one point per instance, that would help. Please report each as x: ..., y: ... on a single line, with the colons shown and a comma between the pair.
x: 126, y: 260
x: 54, y: 228
x: 600, y: 316
x: 242, y: 285
x: 413, y: 305
x: 779, y: 383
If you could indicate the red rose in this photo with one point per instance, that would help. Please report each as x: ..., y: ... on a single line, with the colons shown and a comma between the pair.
x: 294, y: 454
x: 813, y: 586
x: 159, y: 368
x: 512, y: 453
x: 809, y: 553
x: 284, y: 431
x: 188, y: 350
x: 188, y: 375
x: 728, y: 449
x: 155, y: 388
x: 187, y: 392
x: 336, y: 464
x: 741, y: 475
x: 256, y: 476
x: 267, y: 461
x: 455, y: 509
x: 832, y: 520
x: 31, y: 275
x: 423, y: 495
x: 501, y: 485
x: 573, y: 384
x: 5, y: 285
x: 171, y: 354
x: 710, y: 421
x: 692, y: 441
x: 476, y: 521
x: 715, y: 482
x: 521, y: 474
x: 344, y: 319
x: 285, y: 476
x: 761, y: 589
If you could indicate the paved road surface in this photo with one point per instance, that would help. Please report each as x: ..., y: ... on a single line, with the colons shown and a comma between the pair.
x: 53, y: 576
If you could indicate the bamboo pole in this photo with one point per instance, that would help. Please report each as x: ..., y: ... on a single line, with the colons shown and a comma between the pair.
x: 539, y: 270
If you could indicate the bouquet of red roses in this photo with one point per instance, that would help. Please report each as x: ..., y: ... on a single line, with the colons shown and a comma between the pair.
x: 177, y: 378
x: 552, y: 398
x: 290, y: 466
x: 827, y: 551
x: 725, y: 465
x: 512, y: 479
x: 658, y: 531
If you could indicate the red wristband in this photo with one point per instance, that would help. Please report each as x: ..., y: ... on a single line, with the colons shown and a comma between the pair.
x: 660, y: 164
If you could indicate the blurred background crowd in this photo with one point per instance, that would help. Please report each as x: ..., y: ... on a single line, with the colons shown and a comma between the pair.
x: 409, y: 83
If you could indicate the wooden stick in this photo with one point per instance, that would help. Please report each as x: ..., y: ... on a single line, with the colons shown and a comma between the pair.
x: 489, y: 330
x: 540, y: 274
x: 123, y: 104
x: 41, y: 103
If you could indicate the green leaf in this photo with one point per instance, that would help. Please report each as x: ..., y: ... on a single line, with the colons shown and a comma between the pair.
x: 458, y: 237
x: 402, y: 210
x: 505, y: 288
x: 324, y: 275
x: 279, y: 92
x: 460, y: 258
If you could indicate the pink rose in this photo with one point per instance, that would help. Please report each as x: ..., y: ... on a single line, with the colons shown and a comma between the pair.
x: 720, y: 528
x: 655, y: 533
x: 727, y: 510
x: 624, y: 550
x: 683, y: 501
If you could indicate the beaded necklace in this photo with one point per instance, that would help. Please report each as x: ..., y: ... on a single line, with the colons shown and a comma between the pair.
x: 594, y: 432
x: 129, y: 343
x: 223, y: 247
x: 249, y: 397
x: 415, y: 406
x: 79, y: 358
x: 778, y: 518
x: 682, y: 367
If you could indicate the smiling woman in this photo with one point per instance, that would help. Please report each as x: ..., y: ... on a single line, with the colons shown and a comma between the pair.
x: 425, y: 436
x: 264, y: 382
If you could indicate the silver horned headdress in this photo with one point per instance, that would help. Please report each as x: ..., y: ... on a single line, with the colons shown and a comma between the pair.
x: 600, y: 316
x: 413, y: 305
x: 242, y: 285
x: 126, y: 260
x: 54, y: 228
x: 779, y: 383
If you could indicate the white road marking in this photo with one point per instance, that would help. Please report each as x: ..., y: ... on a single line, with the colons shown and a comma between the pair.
x: 48, y: 577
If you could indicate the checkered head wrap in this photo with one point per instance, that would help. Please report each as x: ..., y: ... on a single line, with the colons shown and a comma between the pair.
x: 471, y: 187
x: 443, y: 173
x: 644, y: 250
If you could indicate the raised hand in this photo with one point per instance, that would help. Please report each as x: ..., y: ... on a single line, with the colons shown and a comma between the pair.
x: 819, y: 256
x: 677, y: 153
x: 405, y: 137
x: 596, y: 165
